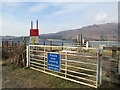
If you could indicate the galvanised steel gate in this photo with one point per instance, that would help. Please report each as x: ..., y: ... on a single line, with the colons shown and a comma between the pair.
x: 76, y: 64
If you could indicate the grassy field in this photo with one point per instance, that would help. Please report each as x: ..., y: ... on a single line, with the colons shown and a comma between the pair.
x: 16, y: 77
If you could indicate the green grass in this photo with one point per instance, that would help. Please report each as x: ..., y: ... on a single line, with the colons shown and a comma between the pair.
x: 16, y: 77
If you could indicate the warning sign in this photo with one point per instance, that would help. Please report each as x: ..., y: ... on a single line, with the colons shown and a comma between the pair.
x: 34, y: 32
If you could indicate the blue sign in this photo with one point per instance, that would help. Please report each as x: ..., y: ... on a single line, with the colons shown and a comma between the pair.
x: 53, y: 61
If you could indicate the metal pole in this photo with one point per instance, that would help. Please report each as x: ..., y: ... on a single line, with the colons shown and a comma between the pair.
x: 99, y: 67
x: 66, y: 64
x: 37, y: 24
x: 31, y: 24
x: 27, y: 54
x: 87, y: 44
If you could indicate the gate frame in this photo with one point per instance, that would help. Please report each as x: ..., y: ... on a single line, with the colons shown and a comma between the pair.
x: 99, y: 66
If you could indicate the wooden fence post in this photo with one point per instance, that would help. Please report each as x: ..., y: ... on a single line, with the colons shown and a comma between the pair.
x: 18, y: 43
x: 114, y: 54
x: 2, y: 44
x: 99, y: 67
x: 119, y: 62
x: 12, y: 43
x: 24, y: 52
x: 50, y: 45
x: 62, y: 45
x: 44, y: 43
x: 113, y: 64
x: 7, y: 43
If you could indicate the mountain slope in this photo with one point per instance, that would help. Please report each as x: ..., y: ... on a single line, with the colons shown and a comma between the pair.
x: 108, y: 31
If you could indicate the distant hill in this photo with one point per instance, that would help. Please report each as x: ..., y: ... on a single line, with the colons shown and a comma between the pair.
x: 108, y: 31
x: 7, y: 37
x: 12, y: 37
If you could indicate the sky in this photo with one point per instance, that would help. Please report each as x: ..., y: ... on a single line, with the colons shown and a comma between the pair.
x: 54, y: 16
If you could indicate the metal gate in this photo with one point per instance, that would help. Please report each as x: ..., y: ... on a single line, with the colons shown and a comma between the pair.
x: 76, y: 64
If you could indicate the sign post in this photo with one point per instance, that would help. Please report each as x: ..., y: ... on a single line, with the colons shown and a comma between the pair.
x: 34, y: 34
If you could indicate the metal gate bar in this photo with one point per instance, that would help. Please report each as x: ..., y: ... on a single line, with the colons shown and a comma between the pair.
x: 37, y: 60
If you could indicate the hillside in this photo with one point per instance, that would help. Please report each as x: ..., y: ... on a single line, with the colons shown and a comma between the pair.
x: 108, y: 31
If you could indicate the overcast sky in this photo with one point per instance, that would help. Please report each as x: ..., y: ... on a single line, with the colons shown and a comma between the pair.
x: 55, y: 16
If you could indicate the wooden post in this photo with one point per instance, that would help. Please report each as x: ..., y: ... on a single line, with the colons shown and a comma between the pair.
x: 108, y: 44
x: 113, y: 74
x: 99, y: 67
x: 119, y: 62
x: 2, y: 44
x: 25, y: 43
x: 62, y: 45
x: 24, y: 53
x: 7, y: 43
x: 50, y: 45
x: 114, y: 54
x: 12, y: 43
x: 44, y: 43
x: 18, y: 43
x: 19, y: 60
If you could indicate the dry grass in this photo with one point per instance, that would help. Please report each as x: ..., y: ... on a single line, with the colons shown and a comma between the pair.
x: 27, y: 78
x: 16, y: 77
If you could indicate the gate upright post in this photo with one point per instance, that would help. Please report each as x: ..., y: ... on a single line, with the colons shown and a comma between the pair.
x: 27, y: 53
x: 66, y: 65
x: 44, y: 58
x: 99, y: 67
